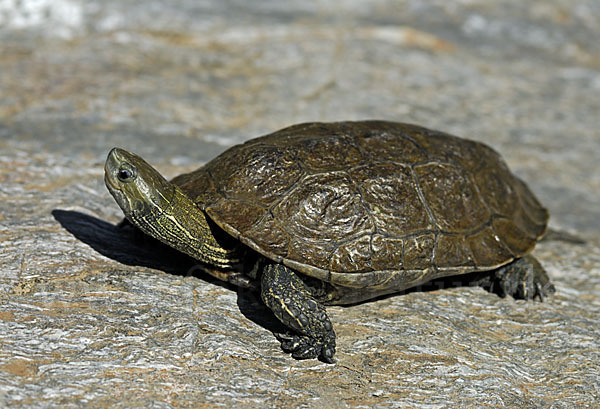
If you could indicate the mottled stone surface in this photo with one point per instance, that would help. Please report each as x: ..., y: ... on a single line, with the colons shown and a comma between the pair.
x: 93, y: 317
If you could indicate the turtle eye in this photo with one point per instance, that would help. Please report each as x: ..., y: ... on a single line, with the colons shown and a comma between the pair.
x: 125, y: 174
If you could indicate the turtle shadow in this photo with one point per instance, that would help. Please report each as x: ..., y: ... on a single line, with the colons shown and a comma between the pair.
x: 481, y: 279
x: 252, y: 307
x: 127, y: 245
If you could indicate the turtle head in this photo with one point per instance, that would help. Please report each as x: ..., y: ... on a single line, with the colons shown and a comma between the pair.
x: 162, y: 210
x: 137, y: 187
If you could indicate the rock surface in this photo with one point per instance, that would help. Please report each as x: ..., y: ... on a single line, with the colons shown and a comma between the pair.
x: 92, y: 317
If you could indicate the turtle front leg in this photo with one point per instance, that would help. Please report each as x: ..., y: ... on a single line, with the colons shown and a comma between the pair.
x: 293, y: 304
x: 524, y: 278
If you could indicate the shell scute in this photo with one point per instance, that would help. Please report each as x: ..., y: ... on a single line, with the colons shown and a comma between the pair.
x: 302, y: 249
x: 336, y: 152
x: 257, y: 174
x: 326, y: 206
x: 512, y: 236
x: 487, y: 249
x: 418, y: 251
x: 390, y: 192
x: 388, y: 253
x: 452, y: 197
x: 451, y: 250
x: 495, y: 184
x: 354, y: 256
x: 268, y: 237
x: 382, y: 142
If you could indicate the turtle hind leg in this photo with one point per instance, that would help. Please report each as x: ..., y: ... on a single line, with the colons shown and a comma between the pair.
x: 311, y: 333
x: 523, y: 278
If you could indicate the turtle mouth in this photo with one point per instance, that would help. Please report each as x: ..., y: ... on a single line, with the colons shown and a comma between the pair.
x: 117, y: 194
x: 109, y: 183
x: 109, y: 170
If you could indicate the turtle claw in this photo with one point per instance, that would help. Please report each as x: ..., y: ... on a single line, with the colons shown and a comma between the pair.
x: 526, y: 279
x: 543, y: 291
x: 305, y: 347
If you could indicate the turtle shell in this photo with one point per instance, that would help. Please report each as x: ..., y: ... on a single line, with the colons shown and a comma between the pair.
x: 372, y: 204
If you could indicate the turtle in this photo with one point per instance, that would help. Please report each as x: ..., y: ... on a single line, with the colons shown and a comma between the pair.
x: 320, y: 214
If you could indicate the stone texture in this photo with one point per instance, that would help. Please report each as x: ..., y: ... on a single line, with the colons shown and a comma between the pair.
x: 91, y: 316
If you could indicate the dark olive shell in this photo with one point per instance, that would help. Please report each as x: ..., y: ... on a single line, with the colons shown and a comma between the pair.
x: 370, y: 204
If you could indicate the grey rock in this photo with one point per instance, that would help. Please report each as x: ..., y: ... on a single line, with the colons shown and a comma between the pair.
x: 92, y: 316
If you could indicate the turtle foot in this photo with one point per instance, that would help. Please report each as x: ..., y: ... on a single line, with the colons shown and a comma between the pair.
x: 305, y: 347
x: 524, y: 278
x: 310, y: 333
